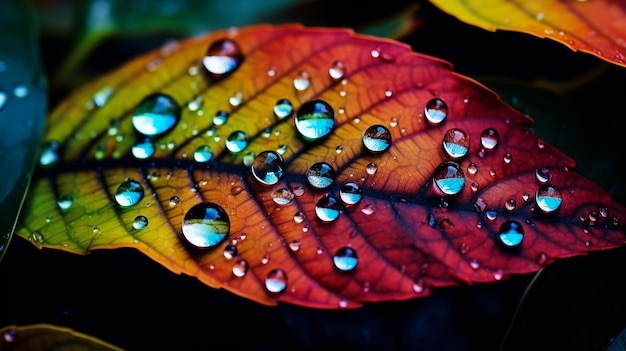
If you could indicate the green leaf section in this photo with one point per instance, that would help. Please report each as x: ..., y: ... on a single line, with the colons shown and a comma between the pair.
x: 23, y: 103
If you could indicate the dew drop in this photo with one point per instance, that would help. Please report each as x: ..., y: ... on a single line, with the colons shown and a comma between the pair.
x: 101, y: 97
x: 156, y: 114
x: 418, y: 286
x: 174, y: 201
x: 196, y: 103
x: 20, y: 91
x: 236, y: 99
x: 489, y: 139
x: 510, y: 204
x: 298, y: 190
x: 474, y: 186
x: 268, y: 167
x: 449, y: 178
x: 65, y: 203
x: 321, y: 175
x: 507, y: 158
x: 525, y: 196
x: 548, y: 198
x: 276, y: 281
x: 248, y: 159
x: 50, y: 154
x: 472, y: 168
x: 37, y: 237
x: 302, y: 81
x: 337, y: 71
x: 220, y: 117
x: 498, y: 274
x: 129, y: 193
x: 371, y: 168
x: 240, y: 268
x: 3, y: 99
x: 511, y: 234
x: 299, y: 217
x: 350, y: 193
x: 543, y: 175
x: 491, y: 215
x: 222, y: 57
x: 203, y: 154
x: 237, y: 141
x: 456, y: 143
x: 294, y: 246
x: 436, y: 111
x: 315, y: 119
x: 11, y: 334
x: 230, y: 251
x: 283, y: 108
x: 368, y: 209
x: 140, y: 222
x: 205, y: 225
x: 328, y: 208
x: 143, y: 150
x: 377, y: 138
x: 345, y: 260
x: 283, y: 196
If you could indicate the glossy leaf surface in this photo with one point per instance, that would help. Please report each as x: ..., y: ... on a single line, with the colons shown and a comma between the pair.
x: 370, y: 207
x: 49, y: 337
x: 595, y: 27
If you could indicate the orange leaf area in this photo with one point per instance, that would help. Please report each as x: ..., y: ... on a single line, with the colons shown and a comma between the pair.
x: 49, y: 337
x: 596, y: 27
x: 312, y: 166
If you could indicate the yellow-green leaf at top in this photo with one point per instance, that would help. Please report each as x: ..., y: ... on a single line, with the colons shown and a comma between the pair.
x: 47, y: 337
x: 597, y: 27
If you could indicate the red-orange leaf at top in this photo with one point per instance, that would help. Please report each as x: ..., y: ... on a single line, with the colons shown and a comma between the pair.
x: 312, y: 166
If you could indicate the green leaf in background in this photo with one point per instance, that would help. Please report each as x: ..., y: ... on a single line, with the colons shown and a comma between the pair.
x: 23, y: 104
x: 46, y: 337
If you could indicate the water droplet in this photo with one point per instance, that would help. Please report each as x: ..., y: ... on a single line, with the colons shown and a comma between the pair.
x: 101, y: 97
x: 236, y: 190
x: 9, y: 335
x: 294, y: 246
x: 507, y: 158
x: 65, y: 203
x: 237, y: 141
x: 50, y: 154
x: 299, y: 217
x: 174, y: 201
x: 456, y: 143
x: 525, y: 196
x: 302, y: 81
x: 315, y: 119
x: 472, y: 168
x: 498, y: 274
x: 548, y: 198
x: 37, y: 237
x: 283, y: 108
x: 368, y: 209
x: 282, y: 149
x: 248, y: 159
x: 371, y: 168
x: 140, y: 222
x: 205, y: 225
x: 436, y: 111
x: 3, y: 99
x: 276, y: 281
x: 283, y: 196
x: 449, y: 178
x: 418, y: 286
x: 328, y: 208
x: 542, y: 259
x: 321, y: 175
x: 240, y: 268
x: 203, y: 154
x: 350, y: 193
x: 339, y: 149
x: 220, y: 117
x: 298, y: 190
x: 491, y: 215
x: 511, y: 234
x: 222, y: 57
x: 20, y: 91
x: 156, y: 114
x: 129, y: 193
x: 510, y: 204
x: 543, y: 175
x: 196, y: 103
x: 474, y: 186
x: 230, y: 251
x: 489, y: 139
x: 337, y: 70
x: 377, y: 138
x: 345, y: 260
x: 236, y: 99
x: 268, y: 167
x: 143, y: 150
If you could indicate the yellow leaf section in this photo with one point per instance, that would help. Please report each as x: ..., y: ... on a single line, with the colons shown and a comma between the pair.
x: 43, y: 337
x: 596, y: 27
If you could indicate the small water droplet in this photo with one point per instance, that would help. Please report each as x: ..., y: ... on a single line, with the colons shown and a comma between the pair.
x: 525, y: 196
x: 298, y: 190
x: 268, y: 167
x: 283, y: 196
x: 543, y: 175
x: 101, y: 97
x: 345, y: 260
x: 237, y: 141
x: 174, y: 201
x: 498, y: 274
x: 315, y: 119
x: 3, y: 99
x: 492, y: 172
x: 489, y: 139
x: 50, y: 154
x: 339, y: 149
x: 507, y: 158
x: 143, y: 150
x: 371, y: 168
x: 449, y: 178
x: 205, y: 225
x: 321, y: 175
x: 474, y: 186
x: 474, y: 264
x: 220, y: 117
x: 299, y: 217
x: 294, y: 246
x: 548, y: 198
x: 456, y: 143
x: 11, y: 334
x: 436, y: 111
x: 368, y: 209
x: 302, y: 81
x: 491, y: 215
x: 140, y: 222
x: 203, y: 154
x: 377, y: 138
x: 20, y: 91
x: 510, y: 204
x: 230, y: 251
x: 276, y: 281
x: 542, y: 259
x: 350, y: 193
x: 283, y: 108
x: 337, y: 70
x: 511, y: 234
x: 156, y: 114
x: 236, y: 190
x: 240, y: 268
x: 328, y: 208
x: 65, y: 203
x: 236, y: 99
x: 248, y: 159
x: 222, y: 57
x: 37, y: 237
x: 129, y: 193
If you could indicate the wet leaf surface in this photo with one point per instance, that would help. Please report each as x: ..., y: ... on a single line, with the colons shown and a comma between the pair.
x: 311, y: 166
x: 594, y: 27
x: 49, y: 337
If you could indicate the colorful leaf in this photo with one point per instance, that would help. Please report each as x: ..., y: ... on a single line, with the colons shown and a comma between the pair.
x: 312, y: 166
x: 594, y: 27
x: 49, y: 337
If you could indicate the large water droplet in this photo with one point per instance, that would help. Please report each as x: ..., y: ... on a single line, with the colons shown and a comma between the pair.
x: 156, y: 114
x: 436, y: 111
x: 377, y: 138
x: 283, y: 196
x: 140, y: 222
x: 143, y: 150
x: 315, y: 119
x: 65, y: 202
x: 511, y: 234
x: 283, y: 108
x: 203, y: 154
x: 548, y: 198
x: 350, y: 193
x: 328, y: 208
x: 50, y: 154
x: 222, y: 57
x: 449, y: 178
x: 237, y: 141
x: 129, y: 193
x: 268, y: 167
x: 205, y: 225
x: 345, y: 260
x: 321, y: 175
x: 489, y: 139
x: 456, y: 143
x: 276, y: 281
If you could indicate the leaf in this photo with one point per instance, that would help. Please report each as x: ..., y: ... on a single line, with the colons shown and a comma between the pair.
x: 188, y: 198
x: 49, y: 337
x: 594, y: 27
x: 22, y: 112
